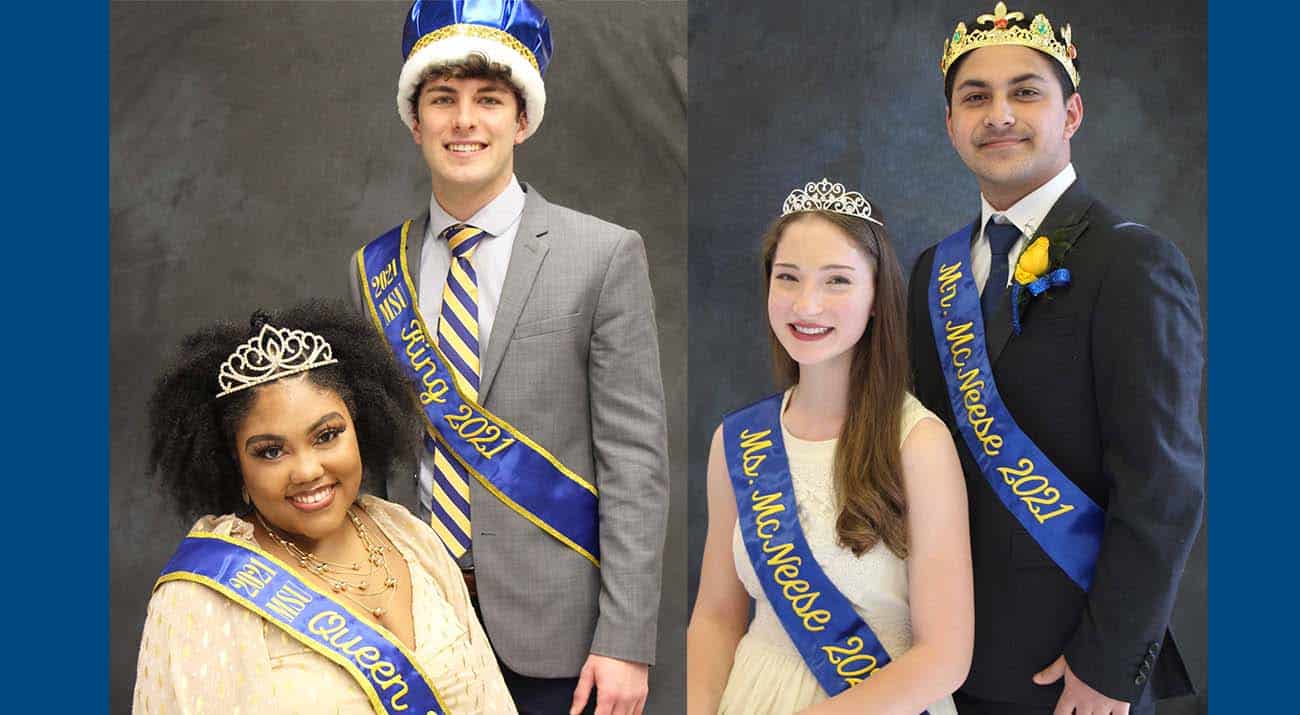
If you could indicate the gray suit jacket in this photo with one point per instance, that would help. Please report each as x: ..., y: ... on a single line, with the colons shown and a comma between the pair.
x: 573, y: 362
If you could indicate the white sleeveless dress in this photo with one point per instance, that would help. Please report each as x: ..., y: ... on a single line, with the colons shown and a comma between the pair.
x: 768, y: 676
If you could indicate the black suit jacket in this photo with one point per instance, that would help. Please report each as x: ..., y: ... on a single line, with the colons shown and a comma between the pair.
x: 1105, y: 378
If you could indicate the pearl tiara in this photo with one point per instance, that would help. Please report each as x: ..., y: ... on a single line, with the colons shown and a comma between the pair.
x: 826, y: 196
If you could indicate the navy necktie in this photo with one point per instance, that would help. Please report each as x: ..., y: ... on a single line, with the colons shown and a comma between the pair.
x: 1002, y: 236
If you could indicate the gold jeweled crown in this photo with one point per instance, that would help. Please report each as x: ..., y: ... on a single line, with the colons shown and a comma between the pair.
x: 826, y: 196
x: 271, y: 355
x: 1038, y: 35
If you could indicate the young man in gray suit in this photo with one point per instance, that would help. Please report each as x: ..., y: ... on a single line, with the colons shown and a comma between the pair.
x: 548, y: 481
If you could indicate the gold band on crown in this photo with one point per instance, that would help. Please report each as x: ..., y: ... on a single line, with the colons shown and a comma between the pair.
x: 482, y: 32
x: 1037, y: 36
x: 274, y: 353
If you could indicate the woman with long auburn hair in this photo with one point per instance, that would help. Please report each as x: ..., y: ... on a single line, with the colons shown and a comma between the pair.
x: 837, y: 505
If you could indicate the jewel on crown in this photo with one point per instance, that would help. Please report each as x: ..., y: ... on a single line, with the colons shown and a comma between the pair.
x: 272, y: 354
x: 826, y: 196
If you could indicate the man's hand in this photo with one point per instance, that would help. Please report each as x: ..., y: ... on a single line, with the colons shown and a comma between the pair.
x: 621, y: 686
x: 1078, y: 696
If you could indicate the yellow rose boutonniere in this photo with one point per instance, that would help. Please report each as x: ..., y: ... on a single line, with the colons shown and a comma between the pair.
x: 1033, y: 261
x: 1035, y: 273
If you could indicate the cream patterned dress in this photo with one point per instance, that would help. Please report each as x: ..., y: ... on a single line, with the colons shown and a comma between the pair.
x: 202, y: 653
x: 768, y: 676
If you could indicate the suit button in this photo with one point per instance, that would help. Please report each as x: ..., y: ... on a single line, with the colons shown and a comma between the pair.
x: 1153, y: 648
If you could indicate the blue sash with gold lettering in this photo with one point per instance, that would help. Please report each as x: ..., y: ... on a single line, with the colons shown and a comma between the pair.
x: 256, y: 580
x: 835, y: 643
x: 1064, y: 521
x: 514, y: 468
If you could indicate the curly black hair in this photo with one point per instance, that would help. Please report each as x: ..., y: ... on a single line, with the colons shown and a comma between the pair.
x: 192, y: 448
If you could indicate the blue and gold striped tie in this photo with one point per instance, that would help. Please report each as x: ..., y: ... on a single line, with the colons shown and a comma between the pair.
x: 458, y: 339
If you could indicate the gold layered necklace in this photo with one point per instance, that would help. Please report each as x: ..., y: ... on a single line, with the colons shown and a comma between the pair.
x: 347, y: 580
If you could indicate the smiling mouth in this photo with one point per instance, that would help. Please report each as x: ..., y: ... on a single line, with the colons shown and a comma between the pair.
x: 809, y: 332
x: 1002, y: 142
x: 314, y: 500
x: 466, y: 147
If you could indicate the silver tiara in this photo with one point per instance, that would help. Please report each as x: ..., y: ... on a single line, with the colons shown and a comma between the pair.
x: 273, y: 354
x: 826, y: 196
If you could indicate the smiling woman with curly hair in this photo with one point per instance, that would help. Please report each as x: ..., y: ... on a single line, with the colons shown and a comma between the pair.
x: 304, y: 595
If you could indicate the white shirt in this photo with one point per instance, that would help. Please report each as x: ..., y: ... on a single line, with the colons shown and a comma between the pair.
x: 1027, y: 214
x: 500, y: 219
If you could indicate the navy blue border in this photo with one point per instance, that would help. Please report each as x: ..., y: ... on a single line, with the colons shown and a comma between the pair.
x: 55, y: 357
x: 1252, y: 467
x: 56, y: 132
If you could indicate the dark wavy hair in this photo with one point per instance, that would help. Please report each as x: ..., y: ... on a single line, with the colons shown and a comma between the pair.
x: 474, y: 66
x: 868, y: 469
x: 192, y: 431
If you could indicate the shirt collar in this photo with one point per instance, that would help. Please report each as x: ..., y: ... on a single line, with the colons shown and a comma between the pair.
x: 1028, y: 213
x: 495, y: 218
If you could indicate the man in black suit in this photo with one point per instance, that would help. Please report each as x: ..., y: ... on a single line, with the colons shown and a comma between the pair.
x: 1101, y: 372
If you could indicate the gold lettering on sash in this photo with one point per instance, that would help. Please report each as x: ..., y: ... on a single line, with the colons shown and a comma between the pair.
x: 252, y: 577
x: 751, y: 446
x: 850, y: 662
x: 487, y: 439
x: 483, y: 436
x: 393, y: 304
x: 419, y: 355
x: 797, y: 591
x: 783, y: 555
x: 971, y: 387
x: 288, y: 602
x: 384, y: 278
x: 331, y: 628
x: 948, y: 277
x: 1034, y: 490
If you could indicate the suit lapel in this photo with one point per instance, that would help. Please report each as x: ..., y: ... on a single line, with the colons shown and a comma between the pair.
x: 414, y: 246
x: 1066, y: 221
x: 525, y: 261
x: 998, y: 332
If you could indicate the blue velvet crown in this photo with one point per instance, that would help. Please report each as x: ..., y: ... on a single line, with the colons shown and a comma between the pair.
x: 528, y: 31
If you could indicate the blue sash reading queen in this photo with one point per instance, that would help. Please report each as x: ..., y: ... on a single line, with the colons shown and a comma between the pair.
x: 514, y: 468
x: 834, y: 642
x: 1059, y: 515
x: 256, y: 580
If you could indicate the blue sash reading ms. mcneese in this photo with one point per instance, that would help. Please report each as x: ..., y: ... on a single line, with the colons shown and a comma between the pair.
x: 1064, y: 521
x: 835, y: 643
x: 256, y: 580
x: 514, y: 468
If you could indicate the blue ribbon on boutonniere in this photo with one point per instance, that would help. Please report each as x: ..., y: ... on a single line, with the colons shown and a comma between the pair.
x: 1053, y: 279
x: 1037, y: 269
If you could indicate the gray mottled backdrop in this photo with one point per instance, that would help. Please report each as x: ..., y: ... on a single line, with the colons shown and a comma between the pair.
x: 783, y: 93
x: 255, y: 145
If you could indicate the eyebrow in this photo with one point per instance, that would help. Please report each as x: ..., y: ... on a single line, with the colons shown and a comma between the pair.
x: 1028, y: 76
x: 315, y: 426
x: 981, y: 84
x: 828, y: 267
x: 448, y: 89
